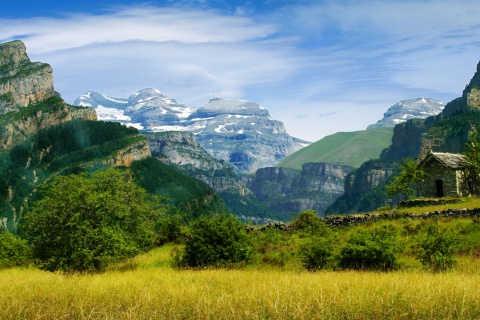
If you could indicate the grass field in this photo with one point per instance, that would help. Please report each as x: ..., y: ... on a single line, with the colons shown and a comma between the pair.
x: 346, y: 148
x: 148, y: 288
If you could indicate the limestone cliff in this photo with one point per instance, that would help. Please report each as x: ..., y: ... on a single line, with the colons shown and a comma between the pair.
x: 21, y: 125
x: 138, y: 150
x: 22, y: 82
x: 314, y: 187
x: 446, y: 132
x: 181, y: 149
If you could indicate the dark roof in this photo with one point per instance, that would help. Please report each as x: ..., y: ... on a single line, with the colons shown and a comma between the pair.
x: 450, y: 160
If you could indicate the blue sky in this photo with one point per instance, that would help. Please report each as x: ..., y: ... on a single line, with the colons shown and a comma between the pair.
x: 319, y: 66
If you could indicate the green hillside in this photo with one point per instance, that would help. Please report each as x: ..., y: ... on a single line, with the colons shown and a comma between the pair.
x: 346, y: 148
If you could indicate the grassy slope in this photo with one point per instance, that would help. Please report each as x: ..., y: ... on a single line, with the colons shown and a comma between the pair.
x: 347, y: 148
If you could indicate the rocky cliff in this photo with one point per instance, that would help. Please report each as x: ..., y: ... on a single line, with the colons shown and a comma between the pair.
x: 314, y: 187
x: 445, y: 132
x: 182, y: 150
x: 22, y: 82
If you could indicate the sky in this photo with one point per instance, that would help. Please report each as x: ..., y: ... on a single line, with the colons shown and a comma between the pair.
x: 318, y: 66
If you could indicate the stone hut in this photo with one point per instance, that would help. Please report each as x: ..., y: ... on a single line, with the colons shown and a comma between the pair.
x: 446, y: 176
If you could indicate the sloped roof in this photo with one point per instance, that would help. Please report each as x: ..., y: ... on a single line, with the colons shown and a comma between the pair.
x: 453, y: 161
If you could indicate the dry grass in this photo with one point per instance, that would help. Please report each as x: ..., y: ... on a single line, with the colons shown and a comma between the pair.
x: 155, y: 291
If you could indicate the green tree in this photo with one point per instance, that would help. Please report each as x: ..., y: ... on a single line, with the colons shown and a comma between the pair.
x: 216, y: 241
x: 405, y: 183
x: 472, y: 172
x: 84, y: 223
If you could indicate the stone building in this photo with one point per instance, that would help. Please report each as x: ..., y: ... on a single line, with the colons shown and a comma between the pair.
x: 445, y: 175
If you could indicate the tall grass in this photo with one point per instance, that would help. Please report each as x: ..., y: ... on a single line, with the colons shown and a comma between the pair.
x: 238, y: 294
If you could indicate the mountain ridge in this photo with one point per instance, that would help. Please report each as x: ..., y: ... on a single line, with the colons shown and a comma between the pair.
x: 239, y: 132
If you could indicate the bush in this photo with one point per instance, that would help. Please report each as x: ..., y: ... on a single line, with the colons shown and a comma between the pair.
x: 84, y: 223
x: 169, y: 229
x: 317, y: 254
x: 437, y: 248
x: 14, y: 251
x: 217, y: 241
x: 370, y: 250
x: 310, y: 222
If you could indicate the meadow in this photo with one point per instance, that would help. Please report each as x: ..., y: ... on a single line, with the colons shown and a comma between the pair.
x: 274, y: 286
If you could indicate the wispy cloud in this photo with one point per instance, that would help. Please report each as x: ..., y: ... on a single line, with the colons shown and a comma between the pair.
x: 348, y: 59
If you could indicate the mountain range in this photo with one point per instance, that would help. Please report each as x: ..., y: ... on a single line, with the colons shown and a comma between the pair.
x: 239, y: 132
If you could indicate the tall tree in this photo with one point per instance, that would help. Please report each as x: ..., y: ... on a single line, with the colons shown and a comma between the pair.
x: 84, y: 223
x: 405, y: 183
x: 472, y: 172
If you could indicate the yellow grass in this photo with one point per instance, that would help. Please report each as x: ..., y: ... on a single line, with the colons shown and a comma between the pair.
x: 155, y: 291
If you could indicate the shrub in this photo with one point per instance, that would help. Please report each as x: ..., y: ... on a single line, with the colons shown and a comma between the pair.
x: 169, y: 229
x: 437, y: 248
x: 217, y: 241
x: 310, y: 222
x: 374, y: 250
x: 317, y: 254
x: 14, y: 251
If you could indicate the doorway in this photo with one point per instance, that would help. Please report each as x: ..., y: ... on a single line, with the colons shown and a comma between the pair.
x: 439, y: 184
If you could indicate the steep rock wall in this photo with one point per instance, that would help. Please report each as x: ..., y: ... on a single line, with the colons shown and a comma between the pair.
x: 22, y: 82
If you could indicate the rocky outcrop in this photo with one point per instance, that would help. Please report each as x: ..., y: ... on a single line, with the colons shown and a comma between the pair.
x: 22, y: 82
x: 138, y: 150
x: 415, y: 138
x: 182, y: 150
x: 20, y: 127
x: 370, y: 175
x: 314, y: 187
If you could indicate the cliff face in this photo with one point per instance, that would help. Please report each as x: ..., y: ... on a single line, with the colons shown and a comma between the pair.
x: 137, y: 151
x: 22, y: 82
x: 20, y: 127
x: 416, y: 137
x: 182, y: 150
x: 314, y: 187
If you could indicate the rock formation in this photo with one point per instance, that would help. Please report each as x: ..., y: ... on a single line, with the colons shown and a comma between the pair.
x: 22, y: 82
x: 314, y: 187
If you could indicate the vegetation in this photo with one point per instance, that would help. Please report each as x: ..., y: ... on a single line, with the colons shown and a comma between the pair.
x: 473, y: 170
x: 404, y: 185
x: 215, y: 241
x: 189, y: 196
x: 371, y: 250
x: 14, y: 251
x: 346, y: 148
x: 85, y: 223
x: 437, y: 248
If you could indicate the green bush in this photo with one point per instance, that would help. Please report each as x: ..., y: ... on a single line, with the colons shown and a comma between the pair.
x: 437, y: 248
x: 308, y: 221
x: 84, y: 223
x: 370, y: 250
x: 169, y: 229
x: 217, y: 241
x: 14, y: 251
x: 317, y: 253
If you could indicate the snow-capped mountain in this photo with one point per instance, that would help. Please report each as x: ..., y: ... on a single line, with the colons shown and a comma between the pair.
x: 239, y: 132
x: 419, y: 108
